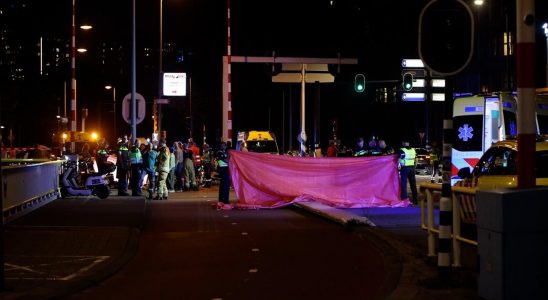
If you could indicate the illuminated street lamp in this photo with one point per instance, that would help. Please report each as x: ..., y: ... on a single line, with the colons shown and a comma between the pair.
x: 478, y: 2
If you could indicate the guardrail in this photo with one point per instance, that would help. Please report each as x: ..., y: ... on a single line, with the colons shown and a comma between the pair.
x: 27, y: 185
x: 463, y: 201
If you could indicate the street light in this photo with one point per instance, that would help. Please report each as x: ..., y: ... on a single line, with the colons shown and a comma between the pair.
x: 108, y: 87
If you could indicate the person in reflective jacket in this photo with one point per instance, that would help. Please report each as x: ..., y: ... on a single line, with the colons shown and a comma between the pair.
x: 222, y: 167
x: 407, y: 156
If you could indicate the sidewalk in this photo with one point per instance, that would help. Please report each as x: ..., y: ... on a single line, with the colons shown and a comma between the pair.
x: 63, y: 247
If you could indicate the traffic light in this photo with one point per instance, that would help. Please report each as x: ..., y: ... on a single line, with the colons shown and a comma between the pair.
x: 359, y: 83
x: 407, y: 83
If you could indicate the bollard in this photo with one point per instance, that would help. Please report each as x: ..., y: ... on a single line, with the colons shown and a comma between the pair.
x: 444, y: 241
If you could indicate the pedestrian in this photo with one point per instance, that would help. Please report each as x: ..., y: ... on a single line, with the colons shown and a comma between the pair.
x: 136, y: 165
x: 207, y: 163
x: 385, y: 149
x: 163, y: 167
x: 373, y: 147
x: 332, y: 150
x: 149, y: 167
x: 435, y: 156
x: 85, y: 157
x: 179, y: 166
x: 360, y: 149
x: 222, y: 168
x: 190, y: 174
x: 171, y: 175
x: 122, y: 166
x: 407, y: 156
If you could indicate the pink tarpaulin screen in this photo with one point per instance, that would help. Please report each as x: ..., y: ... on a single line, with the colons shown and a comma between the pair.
x: 269, y: 181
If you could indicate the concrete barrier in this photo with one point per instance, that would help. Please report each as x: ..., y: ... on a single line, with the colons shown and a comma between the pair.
x: 512, y: 243
x: 27, y: 185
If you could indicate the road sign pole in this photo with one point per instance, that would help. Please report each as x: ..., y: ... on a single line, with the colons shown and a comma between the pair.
x: 133, y: 76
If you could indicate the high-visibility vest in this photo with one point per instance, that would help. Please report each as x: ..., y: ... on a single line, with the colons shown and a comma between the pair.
x: 409, y: 159
x: 135, y: 157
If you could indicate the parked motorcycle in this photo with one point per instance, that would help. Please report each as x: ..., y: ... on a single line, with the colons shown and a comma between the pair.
x: 75, y: 182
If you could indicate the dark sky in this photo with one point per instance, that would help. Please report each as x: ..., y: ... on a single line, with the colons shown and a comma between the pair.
x: 378, y: 33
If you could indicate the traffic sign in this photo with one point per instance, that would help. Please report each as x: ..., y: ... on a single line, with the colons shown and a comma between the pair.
x: 446, y: 36
x: 140, y: 107
x: 162, y: 101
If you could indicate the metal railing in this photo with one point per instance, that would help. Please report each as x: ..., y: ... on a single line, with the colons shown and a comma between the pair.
x: 28, y: 184
x: 463, y: 201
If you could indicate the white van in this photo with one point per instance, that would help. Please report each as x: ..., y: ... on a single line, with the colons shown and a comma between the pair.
x: 479, y: 122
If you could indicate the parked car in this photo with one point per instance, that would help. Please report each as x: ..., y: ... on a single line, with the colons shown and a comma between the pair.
x: 497, y: 166
x: 257, y: 141
x: 422, y: 161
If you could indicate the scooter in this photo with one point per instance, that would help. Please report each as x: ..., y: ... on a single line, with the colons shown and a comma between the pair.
x: 75, y: 183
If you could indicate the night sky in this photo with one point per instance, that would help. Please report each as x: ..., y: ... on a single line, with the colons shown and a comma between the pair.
x: 379, y: 33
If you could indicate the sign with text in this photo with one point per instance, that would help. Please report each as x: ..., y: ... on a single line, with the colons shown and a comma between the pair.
x: 174, y: 84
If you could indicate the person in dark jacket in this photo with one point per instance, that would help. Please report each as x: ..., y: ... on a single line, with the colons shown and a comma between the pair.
x: 222, y: 167
x: 122, y: 166
x: 360, y: 149
x: 149, y: 167
x: 136, y: 165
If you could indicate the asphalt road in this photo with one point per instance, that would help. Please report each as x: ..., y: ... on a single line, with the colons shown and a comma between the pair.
x: 189, y: 250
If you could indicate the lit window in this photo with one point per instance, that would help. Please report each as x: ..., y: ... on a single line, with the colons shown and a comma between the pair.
x: 508, y: 50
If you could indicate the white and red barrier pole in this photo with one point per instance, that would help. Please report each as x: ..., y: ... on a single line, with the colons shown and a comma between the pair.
x: 525, y: 16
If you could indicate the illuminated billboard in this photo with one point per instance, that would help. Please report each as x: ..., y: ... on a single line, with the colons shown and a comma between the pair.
x: 174, y: 84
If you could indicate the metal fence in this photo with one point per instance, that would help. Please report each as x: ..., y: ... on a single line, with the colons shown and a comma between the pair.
x: 463, y: 201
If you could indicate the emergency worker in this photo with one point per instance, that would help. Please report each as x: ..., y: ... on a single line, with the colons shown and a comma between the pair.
x: 102, y: 154
x: 136, y: 163
x: 163, y: 166
x: 122, y: 165
x: 407, y: 156
x: 222, y: 167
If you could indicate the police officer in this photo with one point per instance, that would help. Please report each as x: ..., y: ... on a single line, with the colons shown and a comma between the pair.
x: 407, y: 171
x: 122, y: 166
x: 101, y: 154
x: 222, y: 167
x: 136, y: 163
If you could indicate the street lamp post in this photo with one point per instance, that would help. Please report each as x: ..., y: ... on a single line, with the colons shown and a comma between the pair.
x: 108, y: 87
x: 545, y: 27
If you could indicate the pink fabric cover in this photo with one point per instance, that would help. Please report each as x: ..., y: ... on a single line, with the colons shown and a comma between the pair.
x: 270, y: 181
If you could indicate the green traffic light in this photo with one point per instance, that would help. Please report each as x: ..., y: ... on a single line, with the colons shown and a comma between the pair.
x: 407, y: 83
x: 359, y: 83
